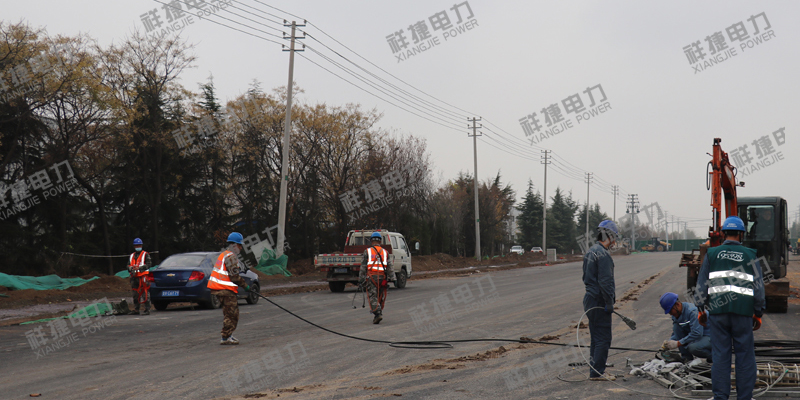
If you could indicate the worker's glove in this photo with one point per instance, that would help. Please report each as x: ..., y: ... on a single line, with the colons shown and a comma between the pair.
x: 702, y: 318
x: 608, y: 308
x: 756, y: 323
x: 673, y: 344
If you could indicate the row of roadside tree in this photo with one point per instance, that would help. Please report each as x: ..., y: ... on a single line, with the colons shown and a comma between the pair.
x: 180, y: 168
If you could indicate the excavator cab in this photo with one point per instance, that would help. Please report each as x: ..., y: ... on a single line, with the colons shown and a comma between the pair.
x: 766, y: 223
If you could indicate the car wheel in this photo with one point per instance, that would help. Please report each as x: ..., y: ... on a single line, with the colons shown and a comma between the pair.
x: 337, y: 287
x: 252, y: 297
x: 401, y: 279
x: 213, y: 304
x: 160, y: 305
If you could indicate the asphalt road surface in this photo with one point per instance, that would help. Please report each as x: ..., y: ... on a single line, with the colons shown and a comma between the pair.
x: 176, y: 353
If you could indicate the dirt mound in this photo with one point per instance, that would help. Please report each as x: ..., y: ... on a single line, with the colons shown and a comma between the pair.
x: 544, y: 338
x: 106, y: 286
x: 633, y: 293
x: 423, y: 367
x: 105, y: 283
x: 494, y: 353
x: 301, y: 267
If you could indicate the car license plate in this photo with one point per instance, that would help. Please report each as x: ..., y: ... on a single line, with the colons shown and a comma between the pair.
x: 340, y: 270
x: 167, y: 293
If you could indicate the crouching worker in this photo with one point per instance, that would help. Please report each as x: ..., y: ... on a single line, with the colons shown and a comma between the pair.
x: 688, y: 336
x: 376, y: 270
x: 224, y: 282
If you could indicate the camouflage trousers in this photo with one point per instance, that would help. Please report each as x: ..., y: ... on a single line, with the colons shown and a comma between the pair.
x: 230, y: 311
x: 141, y: 292
x: 377, y: 293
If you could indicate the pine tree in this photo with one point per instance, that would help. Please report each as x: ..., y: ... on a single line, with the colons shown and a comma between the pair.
x: 561, y: 223
x: 530, y: 219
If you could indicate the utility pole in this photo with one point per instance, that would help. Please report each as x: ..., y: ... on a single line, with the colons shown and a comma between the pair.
x: 287, y: 129
x: 685, y: 223
x: 666, y: 225
x: 545, y: 161
x: 615, y: 189
x: 475, y: 180
x: 673, y: 225
x: 588, y: 183
x: 633, y: 209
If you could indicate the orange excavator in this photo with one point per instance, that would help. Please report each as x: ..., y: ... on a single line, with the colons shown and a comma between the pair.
x: 766, y: 229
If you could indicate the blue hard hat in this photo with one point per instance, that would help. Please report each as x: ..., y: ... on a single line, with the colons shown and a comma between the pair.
x: 235, y: 237
x: 667, y: 301
x: 733, y: 224
x: 609, y: 225
x: 375, y: 235
x: 137, y: 241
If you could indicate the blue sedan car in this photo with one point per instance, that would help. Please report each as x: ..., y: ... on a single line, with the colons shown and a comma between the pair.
x: 184, y: 277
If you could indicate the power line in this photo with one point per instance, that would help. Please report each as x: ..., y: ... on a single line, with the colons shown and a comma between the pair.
x: 228, y: 26
x: 443, y: 115
x: 355, y: 75
x: 373, y: 94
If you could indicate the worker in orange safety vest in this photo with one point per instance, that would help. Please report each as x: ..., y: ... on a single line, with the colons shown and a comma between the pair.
x: 224, y: 282
x: 139, y: 268
x: 376, y: 271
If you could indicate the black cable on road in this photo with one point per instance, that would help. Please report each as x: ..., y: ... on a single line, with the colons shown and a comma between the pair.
x: 437, y: 344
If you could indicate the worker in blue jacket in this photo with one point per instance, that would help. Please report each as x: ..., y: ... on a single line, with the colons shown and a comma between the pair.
x: 598, y: 302
x: 688, y: 336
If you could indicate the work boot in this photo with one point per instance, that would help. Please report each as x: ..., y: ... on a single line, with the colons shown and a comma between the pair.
x: 377, y: 319
x: 605, y: 377
x: 146, y: 312
x: 135, y: 311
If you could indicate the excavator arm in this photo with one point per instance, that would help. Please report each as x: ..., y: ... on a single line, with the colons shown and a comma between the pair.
x: 722, y: 182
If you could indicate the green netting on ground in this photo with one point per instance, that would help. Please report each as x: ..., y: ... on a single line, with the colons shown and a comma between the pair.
x: 125, y: 274
x: 46, y: 282
x: 271, y: 265
x: 92, y: 310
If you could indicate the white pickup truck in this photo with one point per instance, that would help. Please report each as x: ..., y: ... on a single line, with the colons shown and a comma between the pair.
x: 343, y: 268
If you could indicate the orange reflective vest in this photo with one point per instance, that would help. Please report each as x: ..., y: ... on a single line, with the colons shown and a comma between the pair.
x: 376, y: 260
x: 136, y: 263
x: 219, y: 279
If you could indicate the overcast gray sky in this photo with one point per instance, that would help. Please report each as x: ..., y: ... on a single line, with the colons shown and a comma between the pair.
x: 517, y: 58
